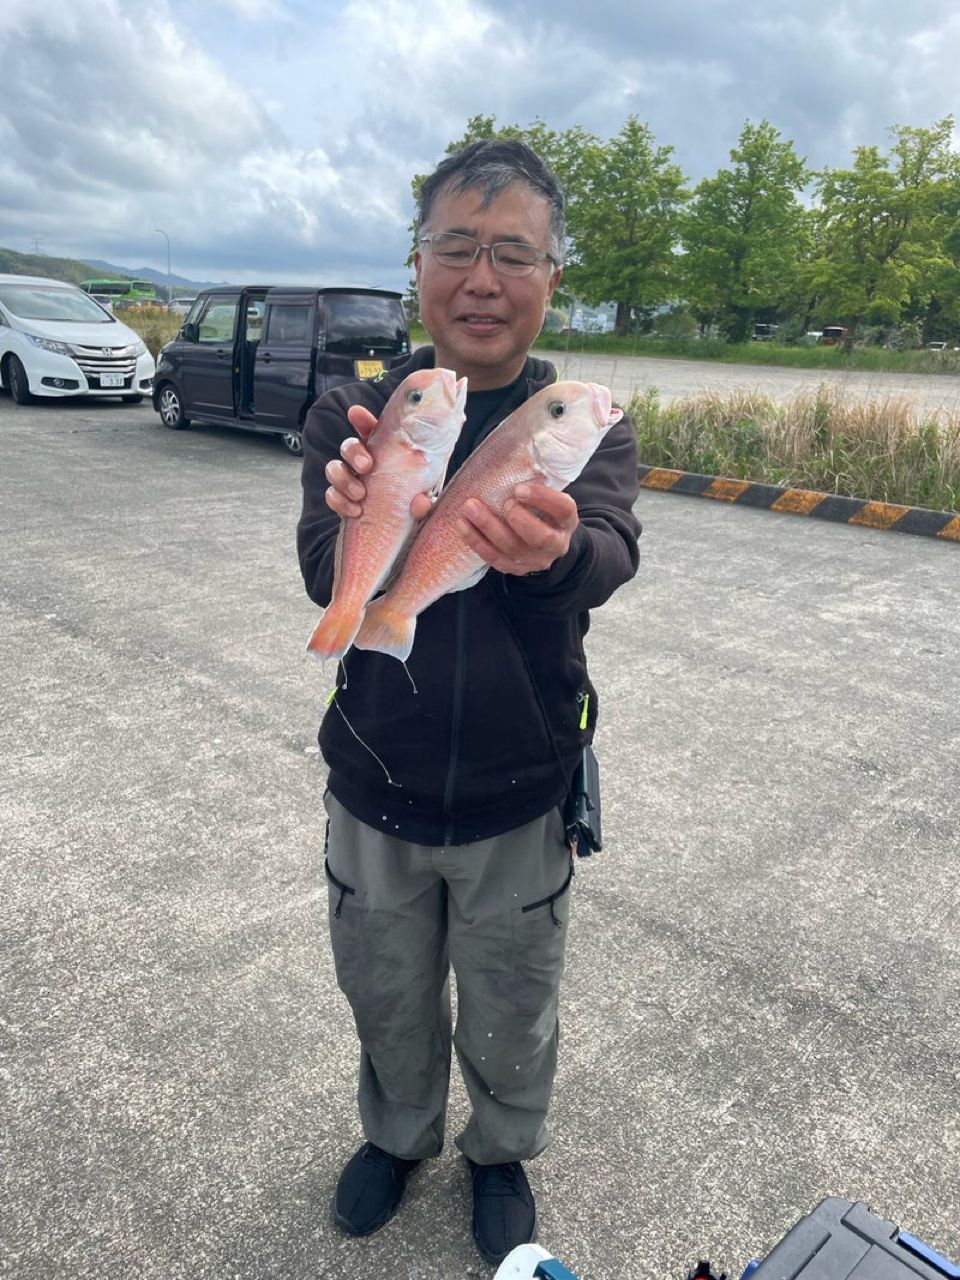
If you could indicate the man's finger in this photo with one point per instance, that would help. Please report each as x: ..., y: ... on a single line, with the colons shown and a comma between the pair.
x: 535, y: 531
x: 554, y: 504
x: 421, y: 505
x: 362, y: 420
x: 356, y: 455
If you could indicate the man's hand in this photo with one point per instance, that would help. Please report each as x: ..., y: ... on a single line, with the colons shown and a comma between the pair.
x: 347, y: 491
x: 537, y: 525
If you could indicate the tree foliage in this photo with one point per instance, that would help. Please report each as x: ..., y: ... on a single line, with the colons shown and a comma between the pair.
x: 624, y: 222
x: 766, y: 238
x: 883, y: 228
x: 745, y: 233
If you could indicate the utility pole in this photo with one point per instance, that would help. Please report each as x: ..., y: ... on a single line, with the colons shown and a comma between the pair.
x: 161, y: 232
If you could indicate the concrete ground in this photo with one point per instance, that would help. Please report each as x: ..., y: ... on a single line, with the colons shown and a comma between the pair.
x: 763, y: 986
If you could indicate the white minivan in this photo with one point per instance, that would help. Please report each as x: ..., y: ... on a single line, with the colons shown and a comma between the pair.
x: 56, y: 341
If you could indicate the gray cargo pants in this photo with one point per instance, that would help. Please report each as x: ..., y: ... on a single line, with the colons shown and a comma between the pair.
x: 400, y: 915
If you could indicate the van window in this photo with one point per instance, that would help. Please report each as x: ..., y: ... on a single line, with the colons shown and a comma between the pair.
x: 254, y: 319
x: 289, y: 324
x: 218, y: 320
x: 356, y: 322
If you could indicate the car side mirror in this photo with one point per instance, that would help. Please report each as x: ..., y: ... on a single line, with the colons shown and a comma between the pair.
x: 189, y: 332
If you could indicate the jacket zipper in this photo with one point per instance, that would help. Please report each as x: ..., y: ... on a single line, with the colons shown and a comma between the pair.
x: 458, y: 666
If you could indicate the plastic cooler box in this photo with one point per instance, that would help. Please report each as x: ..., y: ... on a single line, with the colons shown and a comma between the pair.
x: 843, y: 1240
x: 839, y: 1240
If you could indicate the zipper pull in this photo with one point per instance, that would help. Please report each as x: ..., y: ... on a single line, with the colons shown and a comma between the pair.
x: 584, y: 700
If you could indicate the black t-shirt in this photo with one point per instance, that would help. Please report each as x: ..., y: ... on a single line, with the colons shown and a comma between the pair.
x: 481, y: 407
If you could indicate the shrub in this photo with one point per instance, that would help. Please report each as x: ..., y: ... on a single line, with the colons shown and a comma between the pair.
x: 884, y: 450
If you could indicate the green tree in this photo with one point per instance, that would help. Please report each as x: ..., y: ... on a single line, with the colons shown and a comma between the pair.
x: 744, y: 234
x: 624, y: 222
x: 882, y: 228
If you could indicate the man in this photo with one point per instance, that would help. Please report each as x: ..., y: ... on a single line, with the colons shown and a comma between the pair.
x: 445, y: 840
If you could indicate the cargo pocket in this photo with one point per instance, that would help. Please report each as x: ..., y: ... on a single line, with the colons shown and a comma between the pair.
x: 346, y: 932
x: 539, y: 941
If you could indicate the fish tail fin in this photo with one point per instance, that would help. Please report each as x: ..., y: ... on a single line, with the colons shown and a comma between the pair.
x: 387, y: 629
x: 335, y: 631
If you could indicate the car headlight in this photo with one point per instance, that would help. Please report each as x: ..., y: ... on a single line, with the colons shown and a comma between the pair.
x: 140, y: 349
x: 49, y: 344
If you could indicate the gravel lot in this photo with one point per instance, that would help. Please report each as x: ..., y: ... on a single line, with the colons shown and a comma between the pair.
x: 763, y: 989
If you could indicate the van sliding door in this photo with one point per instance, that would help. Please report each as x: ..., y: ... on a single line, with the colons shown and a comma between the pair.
x: 283, y: 369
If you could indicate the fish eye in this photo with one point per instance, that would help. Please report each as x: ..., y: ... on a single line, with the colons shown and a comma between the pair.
x: 557, y: 409
x: 414, y: 397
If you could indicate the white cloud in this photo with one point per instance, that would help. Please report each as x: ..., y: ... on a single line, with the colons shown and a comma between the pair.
x: 278, y: 137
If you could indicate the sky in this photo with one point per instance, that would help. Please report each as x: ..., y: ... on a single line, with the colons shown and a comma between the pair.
x: 275, y: 140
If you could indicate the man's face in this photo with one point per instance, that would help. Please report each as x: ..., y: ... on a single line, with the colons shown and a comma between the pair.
x: 482, y: 323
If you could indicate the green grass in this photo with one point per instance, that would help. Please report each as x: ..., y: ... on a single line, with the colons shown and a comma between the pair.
x: 886, y: 451
x: 869, y: 359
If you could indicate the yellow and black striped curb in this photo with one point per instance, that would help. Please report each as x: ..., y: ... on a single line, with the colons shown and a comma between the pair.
x: 806, y: 502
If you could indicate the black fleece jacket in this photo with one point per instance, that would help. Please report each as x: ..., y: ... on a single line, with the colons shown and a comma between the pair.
x: 483, y: 734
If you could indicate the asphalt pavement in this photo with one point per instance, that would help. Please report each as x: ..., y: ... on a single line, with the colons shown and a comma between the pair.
x: 763, y: 985
x: 673, y: 379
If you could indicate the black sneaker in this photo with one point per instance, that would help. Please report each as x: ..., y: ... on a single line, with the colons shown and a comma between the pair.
x: 370, y: 1189
x: 504, y: 1213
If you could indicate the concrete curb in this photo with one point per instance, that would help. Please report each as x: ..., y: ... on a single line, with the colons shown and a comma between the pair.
x: 806, y: 502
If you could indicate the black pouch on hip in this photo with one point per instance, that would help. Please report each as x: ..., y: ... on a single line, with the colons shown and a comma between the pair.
x: 581, y: 814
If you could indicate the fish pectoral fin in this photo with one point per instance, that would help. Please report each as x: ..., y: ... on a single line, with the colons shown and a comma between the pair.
x: 472, y: 580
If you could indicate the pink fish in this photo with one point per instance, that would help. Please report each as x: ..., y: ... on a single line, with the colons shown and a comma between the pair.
x: 550, y: 438
x: 411, y: 446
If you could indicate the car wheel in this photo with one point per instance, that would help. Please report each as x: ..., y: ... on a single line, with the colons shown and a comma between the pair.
x: 293, y: 441
x: 15, y: 376
x: 132, y: 399
x: 170, y: 408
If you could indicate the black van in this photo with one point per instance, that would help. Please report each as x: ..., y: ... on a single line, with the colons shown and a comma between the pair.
x: 258, y: 357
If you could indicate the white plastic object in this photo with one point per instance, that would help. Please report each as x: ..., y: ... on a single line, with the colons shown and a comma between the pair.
x: 522, y: 1262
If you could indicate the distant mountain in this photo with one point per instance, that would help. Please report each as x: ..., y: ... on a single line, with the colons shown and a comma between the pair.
x: 75, y: 272
x: 38, y: 264
x: 148, y: 273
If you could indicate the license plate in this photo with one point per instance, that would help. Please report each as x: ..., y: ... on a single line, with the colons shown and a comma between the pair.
x: 368, y: 368
x: 111, y: 380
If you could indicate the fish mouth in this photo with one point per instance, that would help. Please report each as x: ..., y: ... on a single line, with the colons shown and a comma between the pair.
x: 448, y: 381
x: 604, y: 414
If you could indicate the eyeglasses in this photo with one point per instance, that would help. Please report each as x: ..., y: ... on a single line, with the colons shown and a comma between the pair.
x: 508, y: 257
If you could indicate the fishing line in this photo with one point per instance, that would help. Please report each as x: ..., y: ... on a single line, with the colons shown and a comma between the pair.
x: 365, y: 747
x: 332, y: 702
x: 413, y: 683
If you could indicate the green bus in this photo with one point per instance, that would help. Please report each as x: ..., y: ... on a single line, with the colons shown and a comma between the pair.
x: 132, y: 290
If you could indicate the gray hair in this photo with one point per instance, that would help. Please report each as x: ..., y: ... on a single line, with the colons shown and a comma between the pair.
x: 493, y: 165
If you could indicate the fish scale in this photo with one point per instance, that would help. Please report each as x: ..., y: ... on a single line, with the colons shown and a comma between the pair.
x: 531, y: 444
x: 410, y: 447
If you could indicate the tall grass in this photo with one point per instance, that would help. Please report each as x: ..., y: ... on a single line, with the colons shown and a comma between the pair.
x: 885, y: 450
x: 155, y: 325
